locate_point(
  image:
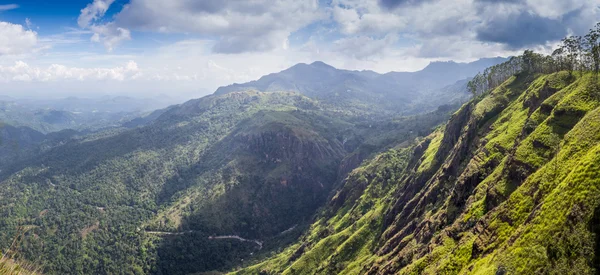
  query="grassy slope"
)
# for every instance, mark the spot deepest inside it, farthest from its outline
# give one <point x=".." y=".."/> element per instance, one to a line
<point x="511" y="185"/>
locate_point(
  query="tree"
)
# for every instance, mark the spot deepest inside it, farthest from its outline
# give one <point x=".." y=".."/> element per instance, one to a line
<point x="592" y="46"/>
<point x="559" y="60"/>
<point x="573" y="47"/>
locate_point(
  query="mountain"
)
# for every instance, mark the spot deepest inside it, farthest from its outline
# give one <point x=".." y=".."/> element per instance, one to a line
<point x="365" y="91"/>
<point x="508" y="186"/>
<point x="204" y="185"/>
<point x="440" y="74"/>
<point x="199" y="187"/>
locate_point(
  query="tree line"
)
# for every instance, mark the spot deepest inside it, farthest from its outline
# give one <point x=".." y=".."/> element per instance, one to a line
<point x="575" y="53"/>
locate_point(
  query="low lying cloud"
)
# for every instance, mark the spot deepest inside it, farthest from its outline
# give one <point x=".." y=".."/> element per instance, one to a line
<point x="21" y="71"/>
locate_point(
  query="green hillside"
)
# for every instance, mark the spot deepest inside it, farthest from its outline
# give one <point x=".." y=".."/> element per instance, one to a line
<point x="204" y="186"/>
<point x="510" y="185"/>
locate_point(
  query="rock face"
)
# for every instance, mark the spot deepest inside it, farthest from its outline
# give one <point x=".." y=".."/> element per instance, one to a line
<point x="508" y="186"/>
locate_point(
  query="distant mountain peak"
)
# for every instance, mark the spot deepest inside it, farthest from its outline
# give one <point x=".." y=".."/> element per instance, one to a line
<point x="439" y="64"/>
<point x="321" y="64"/>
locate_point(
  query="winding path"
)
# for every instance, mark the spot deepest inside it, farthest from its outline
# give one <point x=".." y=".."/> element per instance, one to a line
<point x="259" y="243"/>
<point x="236" y="237"/>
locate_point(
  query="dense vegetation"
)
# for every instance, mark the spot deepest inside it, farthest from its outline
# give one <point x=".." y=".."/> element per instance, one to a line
<point x="160" y="198"/>
<point x="508" y="186"/>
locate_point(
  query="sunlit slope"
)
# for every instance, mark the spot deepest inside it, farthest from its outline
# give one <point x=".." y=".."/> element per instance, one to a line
<point x="511" y="185"/>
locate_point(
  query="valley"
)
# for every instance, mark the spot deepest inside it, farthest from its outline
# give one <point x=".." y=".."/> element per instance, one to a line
<point x="220" y="177"/>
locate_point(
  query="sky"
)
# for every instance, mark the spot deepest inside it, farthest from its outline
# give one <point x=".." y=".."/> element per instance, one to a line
<point x="188" y="48"/>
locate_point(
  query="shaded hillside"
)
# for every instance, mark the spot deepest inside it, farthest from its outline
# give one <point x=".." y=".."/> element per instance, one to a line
<point x="146" y="200"/>
<point x="508" y="186"/>
<point x="17" y="142"/>
<point x="366" y="91"/>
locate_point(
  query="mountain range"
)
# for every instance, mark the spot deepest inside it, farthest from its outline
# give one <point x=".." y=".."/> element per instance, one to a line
<point x="365" y="91"/>
<point x="207" y="184"/>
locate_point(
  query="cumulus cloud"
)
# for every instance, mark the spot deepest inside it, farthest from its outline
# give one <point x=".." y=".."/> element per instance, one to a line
<point x="14" y="39"/>
<point x="109" y="35"/>
<point x="503" y="24"/>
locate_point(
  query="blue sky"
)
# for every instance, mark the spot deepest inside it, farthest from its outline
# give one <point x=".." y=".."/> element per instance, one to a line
<point x="188" y="48"/>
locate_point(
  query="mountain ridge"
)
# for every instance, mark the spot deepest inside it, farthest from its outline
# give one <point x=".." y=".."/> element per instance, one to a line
<point x="247" y="163"/>
<point x="390" y="93"/>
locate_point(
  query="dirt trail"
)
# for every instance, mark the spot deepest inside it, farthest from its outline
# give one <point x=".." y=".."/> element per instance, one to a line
<point x="259" y="243"/>
<point x="236" y="237"/>
<point x="169" y="233"/>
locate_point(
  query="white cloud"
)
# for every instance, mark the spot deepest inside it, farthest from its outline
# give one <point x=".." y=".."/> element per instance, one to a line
<point x="354" y="17"/>
<point x="7" y="7"/>
<point x="93" y="12"/>
<point x="464" y="28"/>
<point x="109" y="35"/>
<point x="14" y="39"/>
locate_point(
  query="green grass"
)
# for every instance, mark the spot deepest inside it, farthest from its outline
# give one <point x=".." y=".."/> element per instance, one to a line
<point x="429" y="156"/>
